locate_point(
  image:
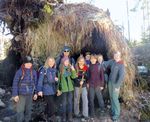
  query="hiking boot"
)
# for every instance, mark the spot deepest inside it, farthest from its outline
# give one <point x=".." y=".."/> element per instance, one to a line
<point x="115" y="121"/>
<point x="92" y="119"/>
<point x="78" y="116"/>
<point x="70" y="117"/>
<point x="102" y="113"/>
<point x="84" y="119"/>
<point x="52" y="119"/>
<point x="45" y="118"/>
<point x="64" y="117"/>
<point x="58" y="118"/>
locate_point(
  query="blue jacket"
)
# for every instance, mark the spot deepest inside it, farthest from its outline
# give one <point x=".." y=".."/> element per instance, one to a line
<point x="59" y="58"/>
<point x="46" y="82"/>
<point x="26" y="86"/>
<point x="117" y="72"/>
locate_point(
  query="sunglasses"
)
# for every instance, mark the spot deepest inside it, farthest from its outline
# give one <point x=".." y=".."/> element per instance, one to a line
<point x="66" y="51"/>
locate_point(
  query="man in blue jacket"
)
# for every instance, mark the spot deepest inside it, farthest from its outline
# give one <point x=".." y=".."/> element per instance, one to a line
<point x="116" y="77"/>
<point x="66" y="53"/>
<point x="24" y="89"/>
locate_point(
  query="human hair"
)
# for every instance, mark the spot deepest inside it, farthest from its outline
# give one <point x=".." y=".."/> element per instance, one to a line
<point x="117" y="52"/>
<point x="46" y="65"/>
<point x="94" y="56"/>
<point x="99" y="55"/>
<point x="61" y="68"/>
<point x="77" y="64"/>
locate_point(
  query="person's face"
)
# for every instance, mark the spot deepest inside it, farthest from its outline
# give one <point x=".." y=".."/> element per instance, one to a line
<point x="100" y="59"/>
<point x="28" y="65"/>
<point x="66" y="63"/>
<point x="81" y="62"/>
<point x="87" y="57"/>
<point x="117" y="57"/>
<point x="93" y="60"/>
<point x="66" y="53"/>
<point x="51" y="62"/>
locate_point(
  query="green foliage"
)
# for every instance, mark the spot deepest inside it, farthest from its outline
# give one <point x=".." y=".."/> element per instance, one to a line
<point x="146" y="37"/>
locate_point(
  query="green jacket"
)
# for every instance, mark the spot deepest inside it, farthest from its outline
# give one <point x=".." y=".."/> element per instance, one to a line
<point x="65" y="84"/>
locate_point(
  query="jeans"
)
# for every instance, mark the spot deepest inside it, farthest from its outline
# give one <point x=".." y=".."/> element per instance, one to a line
<point x="50" y="107"/>
<point x="58" y="102"/>
<point x="67" y="102"/>
<point x="23" y="108"/>
<point x="115" y="105"/>
<point x="98" y="93"/>
<point x="77" y="93"/>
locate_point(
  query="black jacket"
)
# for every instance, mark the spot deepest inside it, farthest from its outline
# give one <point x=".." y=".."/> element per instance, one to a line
<point x="82" y="75"/>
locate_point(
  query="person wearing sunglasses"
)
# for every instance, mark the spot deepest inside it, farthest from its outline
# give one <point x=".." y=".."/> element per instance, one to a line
<point x="65" y="53"/>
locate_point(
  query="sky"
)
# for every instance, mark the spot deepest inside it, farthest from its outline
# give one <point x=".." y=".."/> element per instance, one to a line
<point x="118" y="11"/>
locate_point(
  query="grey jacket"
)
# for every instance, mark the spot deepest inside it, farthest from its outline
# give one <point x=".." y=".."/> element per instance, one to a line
<point x="117" y="72"/>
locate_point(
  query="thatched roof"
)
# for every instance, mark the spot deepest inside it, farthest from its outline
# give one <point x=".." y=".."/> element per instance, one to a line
<point x="83" y="27"/>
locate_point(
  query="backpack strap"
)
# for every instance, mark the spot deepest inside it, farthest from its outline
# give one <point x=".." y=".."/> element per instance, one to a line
<point x="72" y="61"/>
<point x="99" y="67"/>
<point x="31" y="73"/>
<point x="45" y="80"/>
<point x="45" y="71"/>
<point x="23" y="72"/>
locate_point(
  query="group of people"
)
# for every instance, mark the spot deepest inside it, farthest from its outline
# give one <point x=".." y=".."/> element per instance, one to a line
<point x="69" y="81"/>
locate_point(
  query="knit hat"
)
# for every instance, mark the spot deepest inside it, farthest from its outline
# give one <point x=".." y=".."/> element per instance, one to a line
<point x="67" y="49"/>
<point x="64" y="59"/>
<point x="27" y="59"/>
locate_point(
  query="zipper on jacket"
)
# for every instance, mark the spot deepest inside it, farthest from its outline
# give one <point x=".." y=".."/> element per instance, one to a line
<point x="67" y="82"/>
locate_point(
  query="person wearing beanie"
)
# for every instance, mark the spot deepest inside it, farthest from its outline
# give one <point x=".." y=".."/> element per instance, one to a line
<point x="27" y="59"/>
<point x="24" y="89"/>
<point x="65" y="87"/>
<point x="115" y="80"/>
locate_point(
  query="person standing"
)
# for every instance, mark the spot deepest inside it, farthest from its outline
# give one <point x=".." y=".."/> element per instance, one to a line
<point x="81" y="89"/>
<point x="24" y="89"/>
<point x="105" y="91"/>
<point x="65" y="87"/>
<point x="96" y="85"/>
<point x="47" y="86"/>
<point x="116" y="77"/>
<point x="66" y="53"/>
<point x="87" y="58"/>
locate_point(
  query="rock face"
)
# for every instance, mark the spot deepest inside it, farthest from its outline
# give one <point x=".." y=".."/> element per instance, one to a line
<point x="2" y="91"/>
<point x="1" y="103"/>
